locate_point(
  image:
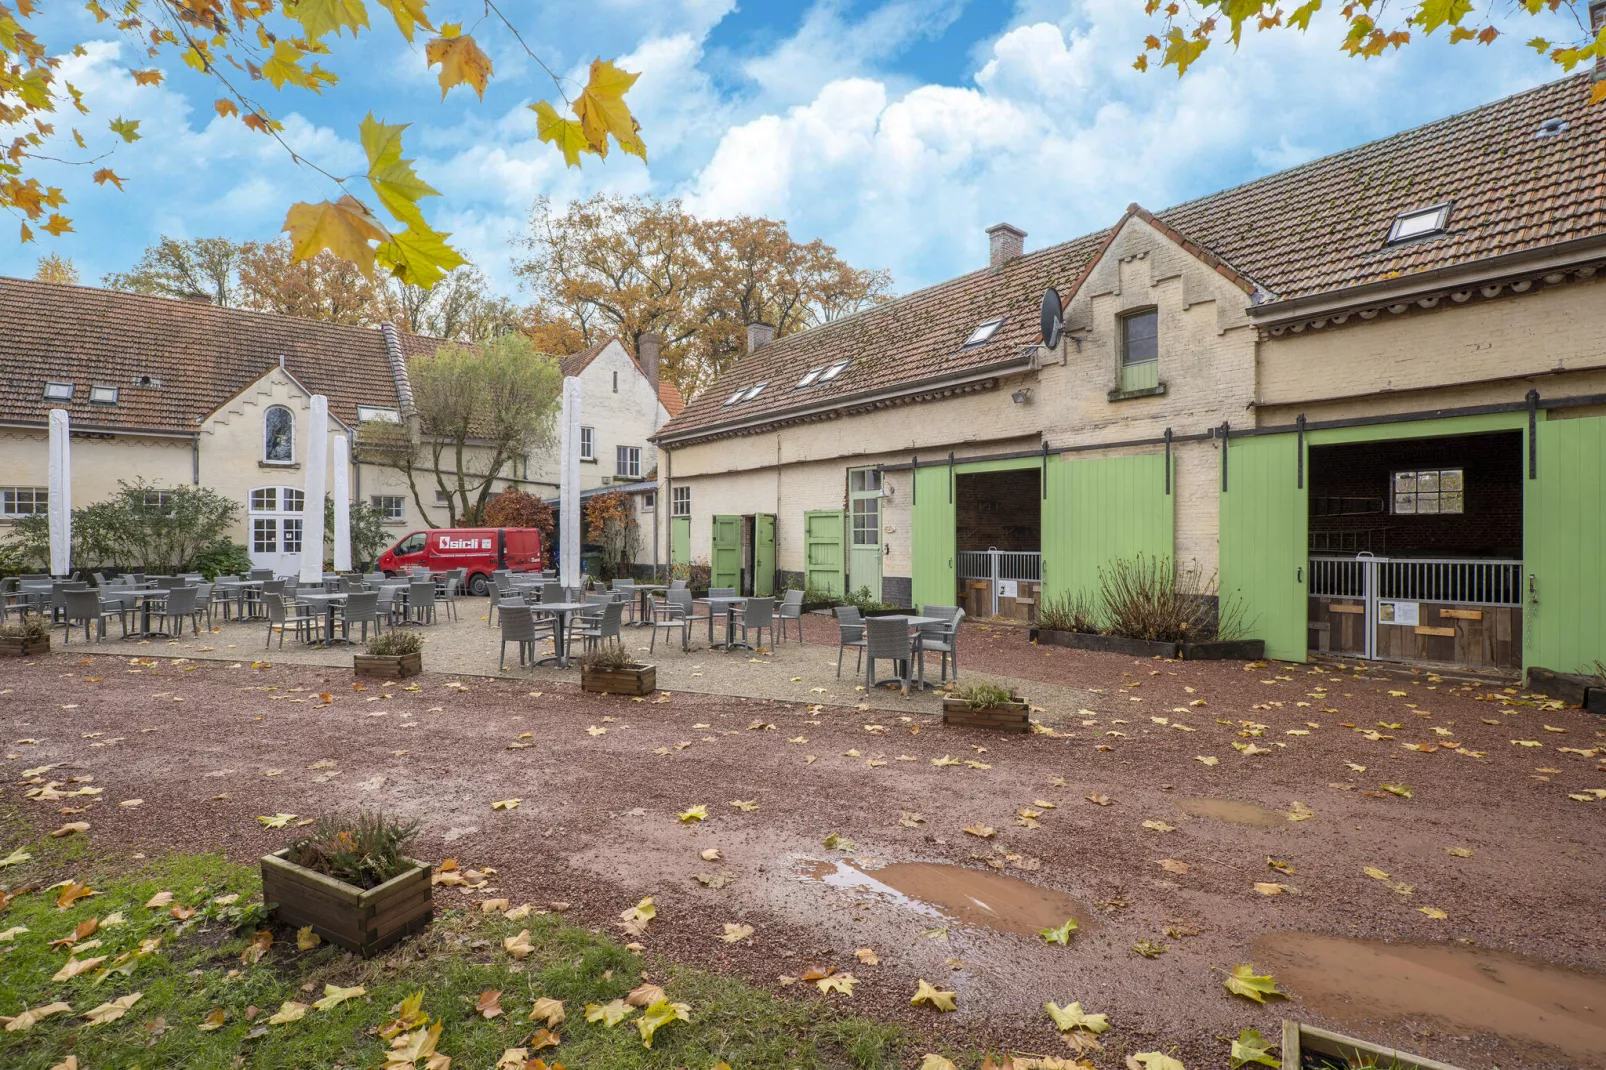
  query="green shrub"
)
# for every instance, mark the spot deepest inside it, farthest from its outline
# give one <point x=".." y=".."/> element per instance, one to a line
<point x="366" y="850"/>
<point x="815" y="595"/>
<point x="983" y="696"/>
<point x="1068" y="612"/>
<point x="862" y="600"/>
<point x="395" y="643"/>
<point x="223" y="557"/>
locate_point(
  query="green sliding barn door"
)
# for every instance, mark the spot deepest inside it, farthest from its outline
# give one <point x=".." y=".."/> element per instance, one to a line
<point x="1564" y="546"/>
<point x="1264" y="519"/>
<point x="725" y="562"/>
<point x="1100" y="509"/>
<point x="680" y="540"/>
<point x="935" y="578"/>
<point x="764" y="555"/>
<point x="823" y="558"/>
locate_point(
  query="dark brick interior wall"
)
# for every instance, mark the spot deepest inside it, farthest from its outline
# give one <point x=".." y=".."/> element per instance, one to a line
<point x="1491" y="526"/>
<point x="897" y="590"/>
<point x="999" y="509"/>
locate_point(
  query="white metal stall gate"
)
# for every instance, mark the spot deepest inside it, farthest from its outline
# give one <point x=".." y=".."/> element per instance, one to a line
<point x="1003" y="570"/>
<point x="1379" y="580"/>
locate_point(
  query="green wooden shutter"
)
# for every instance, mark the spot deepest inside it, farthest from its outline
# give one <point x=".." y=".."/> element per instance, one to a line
<point x="725" y="565"/>
<point x="935" y="580"/>
<point x="680" y="540"/>
<point x="764" y="555"/>
<point x="1564" y="547"/>
<point x="1263" y="525"/>
<point x="823" y="558"/>
<point x="1099" y="509"/>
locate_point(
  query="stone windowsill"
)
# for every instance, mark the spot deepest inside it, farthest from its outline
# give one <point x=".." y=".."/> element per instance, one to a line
<point x="1143" y="392"/>
<point x="288" y="466"/>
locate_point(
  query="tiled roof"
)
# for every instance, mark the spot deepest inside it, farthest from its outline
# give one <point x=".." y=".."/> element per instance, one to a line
<point x="199" y="355"/>
<point x="575" y="363"/>
<point x="669" y="397"/>
<point x="1314" y="228"/>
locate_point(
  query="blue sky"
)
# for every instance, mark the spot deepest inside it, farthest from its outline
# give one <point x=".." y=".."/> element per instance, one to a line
<point x="896" y="131"/>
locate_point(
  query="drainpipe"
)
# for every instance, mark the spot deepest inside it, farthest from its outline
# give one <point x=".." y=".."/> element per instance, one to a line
<point x="195" y="458"/>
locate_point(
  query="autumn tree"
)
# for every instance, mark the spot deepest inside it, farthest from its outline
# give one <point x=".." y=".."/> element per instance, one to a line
<point x="611" y="523"/>
<point x="173" y="267"/>
<point x="477" y="411"/>
<point x="514" y="508"/>
<point x="53" y="267"/>
<point x="245" y="48"/>
<point x="1369" y="28"/>
<point x="460" y="307"/>
<point x="320" y="287"/>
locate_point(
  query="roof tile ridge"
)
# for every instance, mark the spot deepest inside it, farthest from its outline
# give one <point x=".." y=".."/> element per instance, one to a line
<point x="398" y="366"/>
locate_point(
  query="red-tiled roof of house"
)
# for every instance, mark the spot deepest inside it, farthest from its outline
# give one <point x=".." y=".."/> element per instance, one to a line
<point x="575" y="363"/>
<point x="1315" y="228"/>
<point x="670" y="398"/>
<point x="174" y="362"/>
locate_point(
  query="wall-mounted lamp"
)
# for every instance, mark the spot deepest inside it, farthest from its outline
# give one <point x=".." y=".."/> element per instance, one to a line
<point x="1022" y="396"/>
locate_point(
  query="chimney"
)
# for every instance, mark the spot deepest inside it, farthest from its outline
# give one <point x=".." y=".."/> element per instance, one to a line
<point x="1597" y="23"/>
<point x="759" y="335"/>
<point x="1004" y="243"/>
<point x="647" y="348"/>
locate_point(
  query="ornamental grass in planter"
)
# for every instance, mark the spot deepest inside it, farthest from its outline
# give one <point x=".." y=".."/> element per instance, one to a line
<point x="610" y="671"/>
<point x="351" y="879"/>
<point x="1305" y="1047"/>
<point x="986" y="706"/>
<point x="27" y="637"/>
<point x="391" y="654"/>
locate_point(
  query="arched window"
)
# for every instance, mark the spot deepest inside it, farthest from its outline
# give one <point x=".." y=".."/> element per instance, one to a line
<point x="278" y="435"/>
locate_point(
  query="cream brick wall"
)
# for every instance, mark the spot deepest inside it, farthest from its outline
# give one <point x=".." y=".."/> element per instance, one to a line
<point x="626" y="417"/>
<point x="97" y="463"/>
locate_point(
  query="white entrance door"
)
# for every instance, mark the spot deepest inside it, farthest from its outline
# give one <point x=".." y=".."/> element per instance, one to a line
<point x="273" y="521"/>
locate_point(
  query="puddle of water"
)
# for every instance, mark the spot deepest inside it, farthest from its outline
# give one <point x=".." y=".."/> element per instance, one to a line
<point x="1469" y="990"/>
<point x="969" y="896"/>
<point x="1233" y="810"/>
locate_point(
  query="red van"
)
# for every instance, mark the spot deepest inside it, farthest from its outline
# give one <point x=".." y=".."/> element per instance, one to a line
<point x="479" y="550"/>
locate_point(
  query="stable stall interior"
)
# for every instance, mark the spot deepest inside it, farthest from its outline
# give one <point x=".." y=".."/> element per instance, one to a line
<point x="1416" y="550"/>
<point x="999" y="530"/>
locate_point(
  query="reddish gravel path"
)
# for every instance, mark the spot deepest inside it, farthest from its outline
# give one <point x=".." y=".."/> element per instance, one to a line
<point x="597" y="823"/>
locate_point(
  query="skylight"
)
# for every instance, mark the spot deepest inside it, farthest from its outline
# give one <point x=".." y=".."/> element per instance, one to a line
<point x="58" y="391"/>
<point x="984" y="333"/>
<point x="834" y="370"/>
<point x="754" y="391"/>
<point x="103" y="395"/>
<point x="1419" y="223"/>
<point x="809" y="377"/>
<point x="382" y="413"/>
<point x="734" y="398"/>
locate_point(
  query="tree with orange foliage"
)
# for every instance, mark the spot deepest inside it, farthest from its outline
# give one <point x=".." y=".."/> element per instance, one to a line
<point x="611" y="523"/>
<point x="513" y="508"/>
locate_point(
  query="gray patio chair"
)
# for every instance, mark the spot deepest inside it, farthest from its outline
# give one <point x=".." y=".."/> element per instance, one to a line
<point x="717" y="592"/>
<point x="593" y="631"/>
<point x="791" y="609"/>
<point x="387" y="601"/>
<point x="758" y="614"/>
<point x="446" y="592"/>
<point x="58" y="596"/>
<point x="203" y="604"/>
<point x="86" y="608"/>
<point x="421" y="601"/>
<point x="887" y="639"/>
<point x="362" y="607"/>
<point x="670" y="614"/>
<point x="293" y="615"/>
<point x="850" y="629"/>
<point x="524" y="628"/>
<point x="179" y="606"/>
<point x="260" y="574"/>
<point x="677" y="585"/>
<point x="942" y="639"/>
<point x="504" y="602"/>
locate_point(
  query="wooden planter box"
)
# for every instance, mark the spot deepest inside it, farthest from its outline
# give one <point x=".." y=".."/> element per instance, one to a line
<point x="1571" y="688"/>
<point x="1225" y="650"/>
<point x="15" y="647"/>
<point x="1595" y="699"/>
<point x="1299" y="1038"/>
<point x="365" y="922"/>
<point x="1010" y="717"/>
<point x="1108" y="644"/>
<point x="389" y="666"/>
<point x="631" y="680"/>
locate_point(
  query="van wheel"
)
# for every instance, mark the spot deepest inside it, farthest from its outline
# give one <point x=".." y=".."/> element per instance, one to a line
<point x="479" y="583"/>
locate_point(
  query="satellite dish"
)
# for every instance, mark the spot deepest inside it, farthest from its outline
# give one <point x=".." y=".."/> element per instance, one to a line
<point x="1053" y="318"/>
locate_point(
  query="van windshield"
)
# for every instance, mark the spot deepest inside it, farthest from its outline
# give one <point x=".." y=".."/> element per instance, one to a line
<point x="411" y="544"/>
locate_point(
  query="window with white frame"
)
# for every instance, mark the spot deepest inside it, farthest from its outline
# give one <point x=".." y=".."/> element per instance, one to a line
<point x="390" y="506"/>
<point x="1419" y="223"/>
<point x="649" y="501"/>
<point x="680" y="501"/>
<point x="294" y="499"/>
<point x="24" y="501"/>
<point x="627" y="462"/>
<point x="381" y="413"/>
<point x="103" y="395"/>
<point x="292" y="536"/>
<point x="265" y="536"/>
<point x="278" y="436"/>
<point x="1429" y="491"/>
<point x="442" y="497"/>
<point x="58" y="391"/>
<point x="588" y="443"/>
<point x="157" y="500"/>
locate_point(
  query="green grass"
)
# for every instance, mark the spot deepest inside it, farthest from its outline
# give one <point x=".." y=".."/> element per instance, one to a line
<point x="197" y="968"/>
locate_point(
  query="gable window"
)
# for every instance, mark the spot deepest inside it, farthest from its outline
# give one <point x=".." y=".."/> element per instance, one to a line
<point x="103" y="395"/>
<point x="588" y="443"/>
<point x="278" y="436"/>
<point x="616" y="382"/>
<point x="1419" y="223"/>
<point x="984" y="332"/>
<point x="1140" y="337"/>
<point x="58" y="391"/>
<point x="381" y="413"/>
<point x="1429" y="490"/>
<point x="24" y="501"/>
<point x="389" y="506"/>
<point x="680" y="501"/>
<point x="628" y="462"/>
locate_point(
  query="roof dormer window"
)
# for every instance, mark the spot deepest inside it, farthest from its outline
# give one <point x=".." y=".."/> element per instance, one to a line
<point x="1419" y="223"/>
<point x="983" y="333"/>
<point x="58" y="391"/>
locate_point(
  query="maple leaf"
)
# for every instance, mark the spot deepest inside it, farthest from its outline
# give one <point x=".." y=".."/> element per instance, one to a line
<point x="979" y="830"/>
<point x="489" y="1003"/>
<point x="609" y="1014"/>
<point x="836" y="982"/>
<point x="1159" y="826"/>
<point x="1073" y="1017"/>
<point x="289" y="1011"/>
<point x="1060" y="935"/>
<point x="127" y="129"/>
<point x="408" y="14"/>
<point x="29" y="1018"/>
<point x="644" y="995"/>
<point x="105" y="175"/>
<point x="70" y="828"/>
<point x="1243" y="981"/>
<point x="933" y="1061"/>
<point x="1402" y="790"/>
<point x="542" y="1039"/>
<point x="212" y="1021"/>
<point x="506" y="804"/>
<point x="1300" y="812"/>
<point x="226" y="108"/>
<point x="518" y="946"/>
<point x="694" y="813"/>
<point x="461" y="61"/>
<point x="344" y="227"/>
<point x="74" y="967"/>
<point x="735" y="933"/>
<point x="334" y="996"/>
<point x="110" y="1012"/>
<point x="866" y="956"/>
<point x="547" y="1010"/>
<point x="277" y="821"/>
<point x="1206" y="759"/>
<point x="321" y="17"/>
<point x="72" y="893"/>
<point x="1100" y="800"/>
<point x="306" y="939"/>
<point x="835" y="842"/>
<point x="602" y="110"/>
<point x="567" y="134"/>
<point x="1152" y="1060"/>
<point x="261" y="941"/>
<point x="934" y="997"/>
<point x="637" y="917"/>
<point x="745" y="806"/>
<point x="16" y="858"/>
<point x="659" y="1015"/>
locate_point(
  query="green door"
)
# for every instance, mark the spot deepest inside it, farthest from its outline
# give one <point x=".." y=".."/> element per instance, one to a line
<point x="764" y="555"/>
<point x="822" y="551"/>
<point x="1564" y="547"/>
<point x="1099" y="509"/>
<point x="1264" y="519"/>
<point x="725" y="562"/>
<point x="864" y="514"/>
<point x="935" y="580"/>
<point x="680" y="540"/>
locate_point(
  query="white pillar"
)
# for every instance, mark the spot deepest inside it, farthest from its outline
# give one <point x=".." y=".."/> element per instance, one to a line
<point x="317" y="462"/>
<point x="342" y="504"/>
<point x="60" y="505"/>
<point x="569" y="483"/>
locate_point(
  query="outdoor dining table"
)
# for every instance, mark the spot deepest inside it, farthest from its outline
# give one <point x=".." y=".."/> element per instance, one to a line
<point x="726" y="605"/>
<point x="241" y="589"/>
<point x="560" y="612"/>
<point x="146" y="596"/>
<point x="915" y="623"/>
<point x="329" y="600"/>
<point x="643" y="591"/>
